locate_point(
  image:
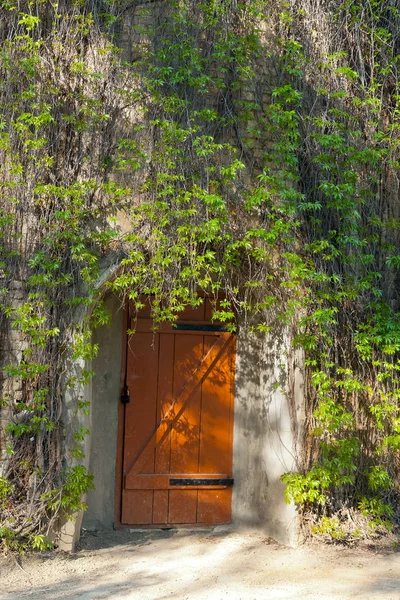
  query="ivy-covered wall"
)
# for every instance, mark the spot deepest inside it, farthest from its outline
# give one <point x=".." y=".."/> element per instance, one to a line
<point x="248" y="149"/>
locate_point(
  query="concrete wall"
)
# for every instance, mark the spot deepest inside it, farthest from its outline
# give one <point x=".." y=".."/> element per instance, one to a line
<point x="104" y="419"/>
<point x="268" y="407"/>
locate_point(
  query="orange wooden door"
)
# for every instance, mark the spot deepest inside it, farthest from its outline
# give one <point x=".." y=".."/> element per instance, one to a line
<point x="177" y="450"/>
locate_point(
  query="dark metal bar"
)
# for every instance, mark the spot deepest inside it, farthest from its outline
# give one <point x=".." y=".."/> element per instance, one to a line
<point x="199" y="327"/>
<point x="199" y="482"/>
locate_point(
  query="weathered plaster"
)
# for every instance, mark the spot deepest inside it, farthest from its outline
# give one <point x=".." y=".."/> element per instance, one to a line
<point x="265" y="431"/>
<point x="104" y="419"/>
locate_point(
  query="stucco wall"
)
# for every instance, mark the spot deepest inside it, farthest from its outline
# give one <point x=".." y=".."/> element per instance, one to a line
<point x="268" y="406"/>
<point x="104" y="419"/>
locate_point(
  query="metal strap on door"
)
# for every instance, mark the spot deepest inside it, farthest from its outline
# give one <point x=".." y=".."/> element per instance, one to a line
<point x="200" y="482"/>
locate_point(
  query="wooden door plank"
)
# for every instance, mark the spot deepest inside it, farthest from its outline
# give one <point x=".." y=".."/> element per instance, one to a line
<point x="142" y="383"/>
<point x="215" y="416"/>
<point x="182" y="506"/>
<point x="164" y="400"/>
<point x="214" y="506"/>
<point x="140" y="421"/>
<point x="137" y="507"/>
<point x="189" y="355"/>
<point x="160" y="507"/>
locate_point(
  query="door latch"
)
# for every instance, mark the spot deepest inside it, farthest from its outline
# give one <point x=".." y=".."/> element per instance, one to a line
<point x="125" y="397"/>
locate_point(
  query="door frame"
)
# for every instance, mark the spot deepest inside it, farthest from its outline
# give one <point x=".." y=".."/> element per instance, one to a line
<point x="121" y="423"/>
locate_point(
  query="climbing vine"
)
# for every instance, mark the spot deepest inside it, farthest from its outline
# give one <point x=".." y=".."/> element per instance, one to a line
<point x="245" y="148"/>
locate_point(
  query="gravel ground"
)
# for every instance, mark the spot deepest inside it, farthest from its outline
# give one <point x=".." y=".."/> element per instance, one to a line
<point x="201" y="565"/>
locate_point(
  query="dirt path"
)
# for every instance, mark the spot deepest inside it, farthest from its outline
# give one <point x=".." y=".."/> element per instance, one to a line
<point x="204" y="565"/>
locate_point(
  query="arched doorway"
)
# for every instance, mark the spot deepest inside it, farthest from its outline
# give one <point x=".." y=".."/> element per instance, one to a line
<point x="174" y="463"/>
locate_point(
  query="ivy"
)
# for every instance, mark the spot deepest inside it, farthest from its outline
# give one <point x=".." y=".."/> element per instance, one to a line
<point x="260" y="168"/>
